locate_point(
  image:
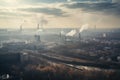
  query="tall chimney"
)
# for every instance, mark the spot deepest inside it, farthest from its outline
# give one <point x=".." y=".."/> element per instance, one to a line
<point x="79" y="36"/>
<point x="38" y="26"/>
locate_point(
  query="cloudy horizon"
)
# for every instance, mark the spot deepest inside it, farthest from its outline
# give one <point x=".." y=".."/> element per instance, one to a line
<point x="60" y="13"/>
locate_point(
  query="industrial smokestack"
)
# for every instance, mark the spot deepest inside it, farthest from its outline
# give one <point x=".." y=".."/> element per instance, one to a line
<point x="69" y="36"/>
<point x="21" y="26"/>
<point x="38" y="26"/>
<point x="37" y="34"/>
<point x="41" y="23"/>
<point x="84" y="27"/>
<point x="80" y="36"/>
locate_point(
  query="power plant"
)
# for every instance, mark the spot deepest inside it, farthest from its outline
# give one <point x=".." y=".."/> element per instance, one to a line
<point x="76" y="49"/>
<point x="59" y="39"/>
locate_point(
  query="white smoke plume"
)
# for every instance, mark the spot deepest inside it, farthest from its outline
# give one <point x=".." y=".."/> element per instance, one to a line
<point x="71" y="33"/>
<point x="41" y="21"/>
<point x="84" y="27"/>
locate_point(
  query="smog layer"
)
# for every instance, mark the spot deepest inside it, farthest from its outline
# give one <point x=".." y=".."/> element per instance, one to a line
<point x="60" y="54"/>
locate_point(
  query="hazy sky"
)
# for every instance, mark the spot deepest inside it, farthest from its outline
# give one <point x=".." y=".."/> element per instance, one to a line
<point x="59" y="13"/>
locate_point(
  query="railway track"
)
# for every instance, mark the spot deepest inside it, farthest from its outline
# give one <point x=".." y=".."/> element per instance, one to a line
<point x="74" y="64"/>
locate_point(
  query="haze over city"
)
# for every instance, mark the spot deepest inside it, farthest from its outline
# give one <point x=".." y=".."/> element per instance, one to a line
<point x="59" y="39"/>
<point x="59" y="13"/>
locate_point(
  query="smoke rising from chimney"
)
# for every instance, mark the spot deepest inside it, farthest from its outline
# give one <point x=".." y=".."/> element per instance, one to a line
<point x="21" y="25"/>
<point x="41" y="21"/>
<point x="71" y="33"/>
<point x="84" y="27"/>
